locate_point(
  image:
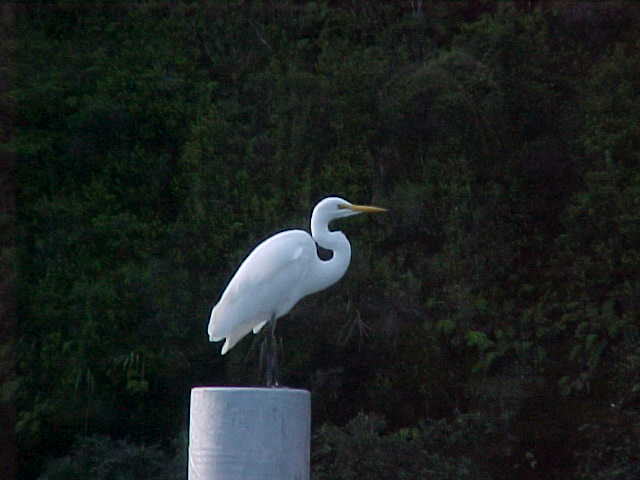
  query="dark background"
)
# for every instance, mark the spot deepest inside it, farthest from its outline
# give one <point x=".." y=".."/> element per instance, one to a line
<point x="487" y="326"/>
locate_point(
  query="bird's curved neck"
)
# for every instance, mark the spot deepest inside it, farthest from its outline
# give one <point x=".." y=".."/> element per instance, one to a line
<point x="327" y="272"/>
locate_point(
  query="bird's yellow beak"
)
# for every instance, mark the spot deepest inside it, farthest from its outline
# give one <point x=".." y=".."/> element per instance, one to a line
<point x="365" y="208"/>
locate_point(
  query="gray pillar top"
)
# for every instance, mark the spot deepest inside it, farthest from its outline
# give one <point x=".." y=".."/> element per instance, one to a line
<point x="249" y="433"/>
<point x="259" y="390"/>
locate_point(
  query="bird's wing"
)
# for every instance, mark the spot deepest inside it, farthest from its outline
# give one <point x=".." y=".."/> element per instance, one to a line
<point x="266" y="262"/>
<point x="262" y="284"/>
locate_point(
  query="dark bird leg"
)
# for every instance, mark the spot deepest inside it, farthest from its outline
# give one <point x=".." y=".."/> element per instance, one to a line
<point x="269" y="355"/>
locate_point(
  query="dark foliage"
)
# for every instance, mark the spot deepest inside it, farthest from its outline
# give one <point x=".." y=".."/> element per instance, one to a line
<point x="101" y="458"/>
<point x="435" y="451"/>
<point x="495" y="308"/>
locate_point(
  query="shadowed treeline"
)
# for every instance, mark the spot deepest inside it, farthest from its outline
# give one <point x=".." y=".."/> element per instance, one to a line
<point x="487" y="326"/>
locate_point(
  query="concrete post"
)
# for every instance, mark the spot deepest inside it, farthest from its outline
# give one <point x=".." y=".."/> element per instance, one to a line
<point x="249" y="433"/>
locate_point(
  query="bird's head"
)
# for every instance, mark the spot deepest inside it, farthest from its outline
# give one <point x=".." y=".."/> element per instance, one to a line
<point x="332" y="208"/>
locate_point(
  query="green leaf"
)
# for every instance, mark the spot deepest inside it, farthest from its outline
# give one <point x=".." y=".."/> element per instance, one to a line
<point x="446" y="326"/>
<point x="479" y="339"/>
<point x="590" y="340"/>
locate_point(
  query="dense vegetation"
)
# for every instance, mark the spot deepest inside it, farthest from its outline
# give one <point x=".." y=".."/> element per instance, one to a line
<point x="488" y="326"/>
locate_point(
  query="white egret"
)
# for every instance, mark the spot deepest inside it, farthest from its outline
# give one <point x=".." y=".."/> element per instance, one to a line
<point x="279" y="272"/>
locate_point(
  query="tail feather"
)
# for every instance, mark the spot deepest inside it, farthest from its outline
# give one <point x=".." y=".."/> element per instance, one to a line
<point x="258" y="327"/>
<point x="228" y="345"/>
<point x="233" y="333"/>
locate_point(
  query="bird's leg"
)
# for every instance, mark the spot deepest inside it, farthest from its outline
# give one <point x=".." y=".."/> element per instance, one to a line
<point x="262" y="359"/>
<point x="271" y="370"/>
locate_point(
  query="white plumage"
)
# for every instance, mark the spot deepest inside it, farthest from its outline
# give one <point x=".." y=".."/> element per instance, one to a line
<point x="282" y="270"/>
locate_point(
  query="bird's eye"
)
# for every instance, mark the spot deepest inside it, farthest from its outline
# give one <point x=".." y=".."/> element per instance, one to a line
<point x="342" y="206"/>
